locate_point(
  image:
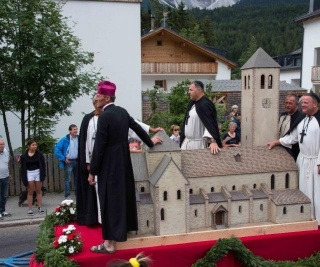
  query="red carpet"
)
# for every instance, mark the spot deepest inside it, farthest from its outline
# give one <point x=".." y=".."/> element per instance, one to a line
<point x="288" y="246"/>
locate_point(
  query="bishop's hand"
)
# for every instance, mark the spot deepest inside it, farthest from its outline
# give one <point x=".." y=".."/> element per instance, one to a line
<point x="91" y="179"/>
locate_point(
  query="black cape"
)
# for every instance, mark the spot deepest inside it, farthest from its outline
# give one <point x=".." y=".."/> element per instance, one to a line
<point x="295" y="150"/>
<point x="87" y="210"/>
<point x="207" y="113"/>
<point x="111" y="161"/>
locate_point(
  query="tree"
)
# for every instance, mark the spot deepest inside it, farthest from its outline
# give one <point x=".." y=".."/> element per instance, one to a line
<point x="41" y="65"/>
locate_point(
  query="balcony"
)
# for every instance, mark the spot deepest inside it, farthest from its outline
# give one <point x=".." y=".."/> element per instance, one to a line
<point x="315" y="74"/>
<point x="179" y="68"/>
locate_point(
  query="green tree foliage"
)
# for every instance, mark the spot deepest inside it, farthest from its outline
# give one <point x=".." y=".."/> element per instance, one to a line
<point x="41" y="65"/>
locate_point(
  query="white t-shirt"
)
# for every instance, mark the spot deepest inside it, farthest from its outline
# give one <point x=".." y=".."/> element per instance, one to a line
<point x="4" y="164"/>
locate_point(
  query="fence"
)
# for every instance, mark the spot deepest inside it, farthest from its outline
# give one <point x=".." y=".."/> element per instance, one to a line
<point x="54" y="181"/>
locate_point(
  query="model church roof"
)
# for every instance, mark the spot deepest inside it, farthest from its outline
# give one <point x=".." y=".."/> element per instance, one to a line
<point x="260" y="59"/>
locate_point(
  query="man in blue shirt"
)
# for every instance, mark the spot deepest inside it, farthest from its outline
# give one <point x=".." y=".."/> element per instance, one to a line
<point x="66" y="150"/>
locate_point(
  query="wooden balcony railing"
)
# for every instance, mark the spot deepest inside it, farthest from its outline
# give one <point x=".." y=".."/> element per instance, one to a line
<point x="179" y="68"/>
<point x="315" y="75"/>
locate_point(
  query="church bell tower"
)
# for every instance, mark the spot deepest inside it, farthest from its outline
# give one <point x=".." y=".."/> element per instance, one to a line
<point x="260" y="86"/>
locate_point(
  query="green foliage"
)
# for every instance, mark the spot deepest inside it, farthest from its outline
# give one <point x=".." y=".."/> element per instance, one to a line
<point x="42" y="62"/>
<point x="246" y="257"/>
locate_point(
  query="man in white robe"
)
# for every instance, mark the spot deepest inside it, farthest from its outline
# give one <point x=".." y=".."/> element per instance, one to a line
<point x="307" y="134"/>
<point x="200" y="125"/>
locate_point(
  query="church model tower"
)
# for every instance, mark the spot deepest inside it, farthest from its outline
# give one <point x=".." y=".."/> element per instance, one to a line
<point x="184" y="191"/>
<point x="260" y="77"/>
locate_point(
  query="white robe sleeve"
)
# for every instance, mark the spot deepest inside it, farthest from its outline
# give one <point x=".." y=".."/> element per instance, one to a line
<point x="206" y="134"/>
<point x="133" y="135"/>
<point x="290" y="139"/>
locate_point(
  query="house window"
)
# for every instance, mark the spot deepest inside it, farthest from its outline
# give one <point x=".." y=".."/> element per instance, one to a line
<point x="270" y="81"/>
<point x="142" y="189"/>
<point x="301" y="209"/>
<point x="262" y="82"/>
<point x="165" y="195"/>
<point x="178" y="194"/>
<point x="191" y="191"/>
<point x="287" y="180"/>
<point x="261" y="207"/>
<point x="161" y="84"/>
<point x="284" y="210"/>
<point x="159" y="43"/>
<point x="212" y="189"/>
<point x="162" y="214"/>
<point x="240" y="209"/>
<point x="233" y="187"/>
<point x="195" y="213"/>
<point x="272" y="181"/>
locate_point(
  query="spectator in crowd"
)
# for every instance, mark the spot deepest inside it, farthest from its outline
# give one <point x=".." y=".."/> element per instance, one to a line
<point x="66" y="150"/>
<point x="234" y="111"/>
<point x="231" y="138"/>
<point x="175" y="133"/>
<point x="33" y="173"/>
<point x="4" y="179"/>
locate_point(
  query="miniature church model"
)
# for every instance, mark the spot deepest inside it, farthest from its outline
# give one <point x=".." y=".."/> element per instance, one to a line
<point x="184" y="191"/>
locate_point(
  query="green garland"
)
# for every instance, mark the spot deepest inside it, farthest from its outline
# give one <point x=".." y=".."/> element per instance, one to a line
<point x="45" y="252"/>
<point x="247" y="258"/>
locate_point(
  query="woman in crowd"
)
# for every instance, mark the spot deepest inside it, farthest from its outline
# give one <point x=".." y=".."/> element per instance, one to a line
<point x="231" y="138"/>
<point x="234" y="111"/>
<point x="33" y="173"/>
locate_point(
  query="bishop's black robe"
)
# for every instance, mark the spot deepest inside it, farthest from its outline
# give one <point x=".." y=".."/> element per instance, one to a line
<point x="207" y="113"/>
<point x="87" y="210"/>
<point x="111" y="161"/>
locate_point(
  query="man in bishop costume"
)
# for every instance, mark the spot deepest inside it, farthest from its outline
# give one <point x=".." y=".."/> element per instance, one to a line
<point x="306" y="132"/>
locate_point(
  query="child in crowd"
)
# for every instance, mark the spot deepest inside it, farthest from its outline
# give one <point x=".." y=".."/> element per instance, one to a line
<point x="139" y="261"/>
<point x="175" y="130"/>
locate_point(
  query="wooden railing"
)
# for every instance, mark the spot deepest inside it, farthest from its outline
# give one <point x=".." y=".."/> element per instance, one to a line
<point x="54" y="181"/>
<point x="179" y="68"/>
<point x="315" y="75"/>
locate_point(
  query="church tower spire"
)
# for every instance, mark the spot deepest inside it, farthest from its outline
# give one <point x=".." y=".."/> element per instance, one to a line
<point x="260" y="85"/>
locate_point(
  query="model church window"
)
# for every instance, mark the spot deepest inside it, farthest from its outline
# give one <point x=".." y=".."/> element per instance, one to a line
<point x="261" y="207"/>
<point x="248" y="81"/>
<point x="301" y="209"/>
<point x="191" y="191"/>
<point x="270" y="81"/>
<point x="287" y="181"/>
<point x="147" y="223"/>
<point x="142" y="189"/>
<point x="245" y="82"/>
<point x="165" y="195"/>
<point x="240" y="209"/>
<point x="195" y="213"/>
<point x="254" y="186"/>
<point x="284" y="210"/>
<point x="233" y="187"/>
<point x="178" y="194"/>
<point x="162" y="214"/>
<point x="212" y="189"/>
<point x="272" y="181"/>
<point x="262" y="82"/>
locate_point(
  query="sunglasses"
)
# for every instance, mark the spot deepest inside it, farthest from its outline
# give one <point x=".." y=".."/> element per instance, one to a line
<point x="176" y="129"/>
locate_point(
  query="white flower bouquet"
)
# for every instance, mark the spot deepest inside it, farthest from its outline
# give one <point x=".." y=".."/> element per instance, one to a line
<point x="66" y="212"/>
<point x="69" y="242"/>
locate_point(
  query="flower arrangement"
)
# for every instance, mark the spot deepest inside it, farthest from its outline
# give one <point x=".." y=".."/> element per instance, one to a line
<point x="69" y="242"/>
<point x="66" y="212"/>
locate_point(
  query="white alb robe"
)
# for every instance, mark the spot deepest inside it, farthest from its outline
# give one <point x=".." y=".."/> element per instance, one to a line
<point x="91" y="134"/>
<point x="195" y="132"/>
<point x="308" y="161"/>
